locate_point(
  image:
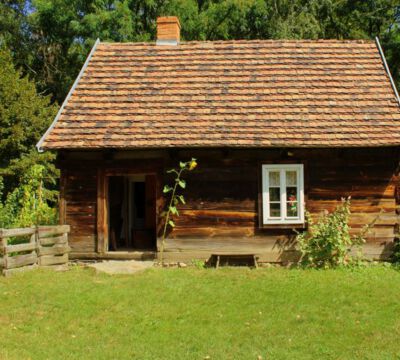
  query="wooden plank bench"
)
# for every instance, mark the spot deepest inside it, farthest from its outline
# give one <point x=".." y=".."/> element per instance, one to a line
<point x="219" y="256"/>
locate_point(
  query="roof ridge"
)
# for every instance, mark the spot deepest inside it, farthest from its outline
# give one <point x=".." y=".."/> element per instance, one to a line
<point x="254" y="41"/>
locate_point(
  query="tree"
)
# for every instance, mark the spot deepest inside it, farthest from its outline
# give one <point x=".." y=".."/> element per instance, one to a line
<point x="14" y="32"/>
<point x="24" y="117"/>
<point x="50" y="39"/>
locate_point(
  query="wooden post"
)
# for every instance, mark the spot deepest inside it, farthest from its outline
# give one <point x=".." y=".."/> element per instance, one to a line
<point x="3" y="244"/>
<point x="35" y="239"/>
<point x="62" y="203"/>
<point x="151" y="198"/>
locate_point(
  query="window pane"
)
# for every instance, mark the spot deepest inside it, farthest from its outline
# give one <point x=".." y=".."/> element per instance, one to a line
<point x="291" y="178"/>
<point x="291" y="193"/>
<point x="274" y="178"/>
<point x="292" y="209"/>
<point x="275" y="210"/>
<point x="274" y="194"/>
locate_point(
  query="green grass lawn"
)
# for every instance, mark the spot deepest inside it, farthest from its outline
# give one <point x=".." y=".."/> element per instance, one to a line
<point x="229" y="313"/>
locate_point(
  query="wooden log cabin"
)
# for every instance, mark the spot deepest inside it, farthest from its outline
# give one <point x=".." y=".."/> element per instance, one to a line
<point x="278" y="128"/>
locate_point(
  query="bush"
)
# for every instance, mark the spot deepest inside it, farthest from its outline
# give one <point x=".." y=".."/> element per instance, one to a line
<point x="327" y="242"/>
<point x="30" y="203"/>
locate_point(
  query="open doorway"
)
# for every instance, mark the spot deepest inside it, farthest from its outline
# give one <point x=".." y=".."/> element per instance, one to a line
<point x="131" y="213"/>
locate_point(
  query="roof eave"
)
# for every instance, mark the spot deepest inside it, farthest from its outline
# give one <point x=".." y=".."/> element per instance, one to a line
<point x="230" y="146"/>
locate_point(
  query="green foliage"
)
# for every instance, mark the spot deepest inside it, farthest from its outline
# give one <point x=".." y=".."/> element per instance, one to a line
<point x="396" y="252"/>
<point x="24" y="116"/>
<point x="29" y="204"/>
<point x="327" y="242"/>
<point x="175" y="199"/>
<point x="9" y="208"/>
<point x="53" y="38"/>
<point x="199" y="264"/>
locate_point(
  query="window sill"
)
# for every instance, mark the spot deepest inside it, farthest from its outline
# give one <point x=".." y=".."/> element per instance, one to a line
<point x="300" y="226"/>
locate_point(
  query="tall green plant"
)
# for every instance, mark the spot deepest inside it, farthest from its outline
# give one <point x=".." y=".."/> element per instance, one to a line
<point x="175" y="198"/>
<point x="327" y="242"/>
<point x="36" y="199"/>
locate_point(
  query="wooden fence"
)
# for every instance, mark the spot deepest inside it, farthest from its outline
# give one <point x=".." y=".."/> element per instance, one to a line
<point x="35" y="246"/>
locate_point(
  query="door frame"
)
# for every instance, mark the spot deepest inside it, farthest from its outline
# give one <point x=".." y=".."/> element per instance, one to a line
<point x="103" y="175"/>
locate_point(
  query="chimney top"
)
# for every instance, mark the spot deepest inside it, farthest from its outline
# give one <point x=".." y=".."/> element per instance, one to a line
<point x="168" y="30"/>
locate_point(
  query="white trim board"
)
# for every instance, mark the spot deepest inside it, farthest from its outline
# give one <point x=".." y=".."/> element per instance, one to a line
<point x="386" y="66"/>
<point x="40" y="142"/>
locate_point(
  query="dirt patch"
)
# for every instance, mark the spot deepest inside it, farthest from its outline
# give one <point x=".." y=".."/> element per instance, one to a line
<point x="114" y="267"/>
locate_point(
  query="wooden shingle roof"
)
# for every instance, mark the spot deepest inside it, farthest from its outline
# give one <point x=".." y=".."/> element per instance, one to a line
<point x="264" y="93"/>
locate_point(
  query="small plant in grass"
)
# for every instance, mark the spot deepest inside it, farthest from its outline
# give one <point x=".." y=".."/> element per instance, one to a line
<point x="327" y="242"/>
<point x="396" y="252"/>
<point x="199" y="264"/>
<point x="175" y="199"/>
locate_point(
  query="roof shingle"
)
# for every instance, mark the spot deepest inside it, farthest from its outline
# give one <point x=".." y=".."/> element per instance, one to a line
<point x="231" y="93"/>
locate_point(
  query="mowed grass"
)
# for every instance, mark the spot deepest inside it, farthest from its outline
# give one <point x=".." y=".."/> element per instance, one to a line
<point x="229" y="313"/>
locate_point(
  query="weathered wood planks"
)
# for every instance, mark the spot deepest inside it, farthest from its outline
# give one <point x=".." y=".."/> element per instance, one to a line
<point x="79" y="197"/>
<point x="7" y="233"/>
<point x="222" y="195"/>
<point x="47" y="245"/>
<point x="46" y="260"/>
<point x="20" y="247"/>
<point x="21" y="260"/>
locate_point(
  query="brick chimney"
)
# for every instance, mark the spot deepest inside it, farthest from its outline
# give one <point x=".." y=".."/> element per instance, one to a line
<point x="168" y="30"/>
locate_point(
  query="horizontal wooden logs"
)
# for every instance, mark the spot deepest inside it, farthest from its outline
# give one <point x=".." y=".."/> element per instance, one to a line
<point x="211" y="231"/>
<point x="222" y="193"/>
<point x="21" y="260"/>
<point x="82" y="243"/>
<point x="16" y="232"/>
<point x="382" y="219"/>
<point x="365" y="206"/>
<point x="20" y="247"/>
<point x="355" y="191"/>
<point x="61" y="239"/>
<point x="53" y="260"/>
<point x="80" y="192"/>
<point x="114" y="255"/>
<point x="54" y="250"/>
<point x="256" y="244"/>
<point x="47" y="231"/>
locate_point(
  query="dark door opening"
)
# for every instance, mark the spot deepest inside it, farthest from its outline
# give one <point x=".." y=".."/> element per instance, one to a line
<point x="131" y="213"/>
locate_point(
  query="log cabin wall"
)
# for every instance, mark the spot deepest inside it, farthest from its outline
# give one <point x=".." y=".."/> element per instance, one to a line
<point x="223" y="207"/>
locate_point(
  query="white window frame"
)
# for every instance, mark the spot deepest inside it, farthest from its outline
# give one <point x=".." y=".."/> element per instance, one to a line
<point x="283" y="219"/>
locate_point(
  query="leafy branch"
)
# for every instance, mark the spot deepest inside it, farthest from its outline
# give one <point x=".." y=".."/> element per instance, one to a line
<point x="175" y="199"/>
